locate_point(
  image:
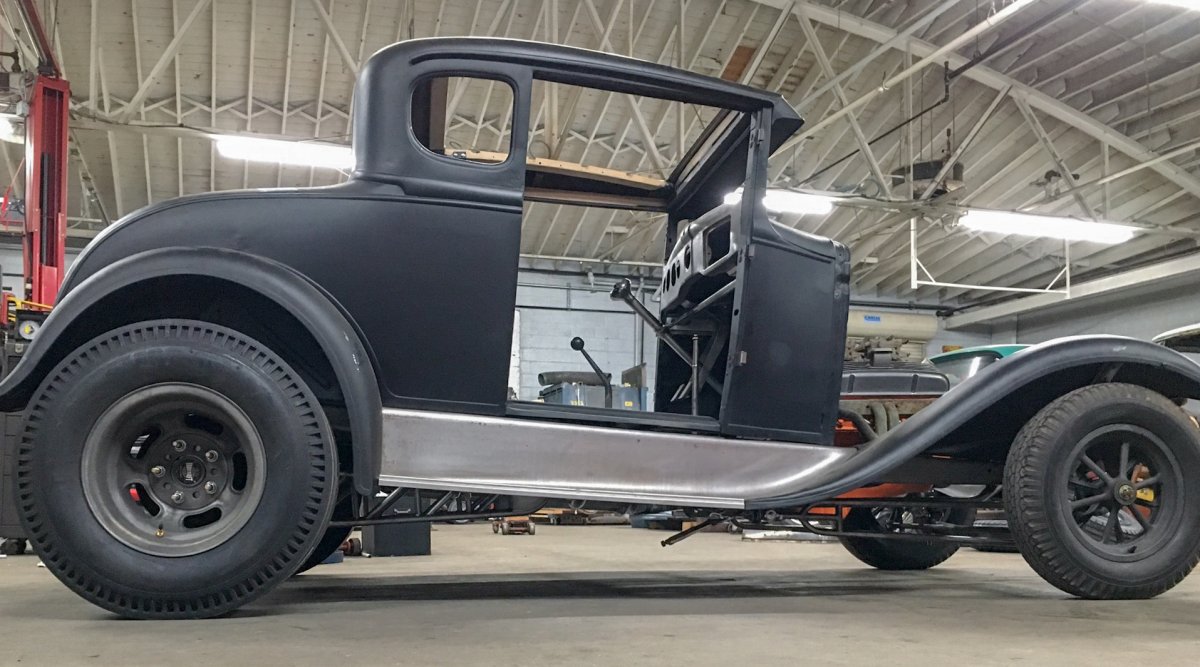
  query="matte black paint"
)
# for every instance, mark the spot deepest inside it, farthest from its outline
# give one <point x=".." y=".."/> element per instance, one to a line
<point x="989" y="408"/>
<point x="430" y="283"/>
<point x="311" y="306"/>
<point x="414" y="263"/>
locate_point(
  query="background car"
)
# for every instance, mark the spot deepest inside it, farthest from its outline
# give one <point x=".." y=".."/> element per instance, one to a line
<point x="962" y="364"/>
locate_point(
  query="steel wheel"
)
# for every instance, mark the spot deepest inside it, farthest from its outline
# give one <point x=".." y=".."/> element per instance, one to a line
<point x="173" y="469"/>
<point x="1123" y="492"/>
<point x="1101" y="493"/>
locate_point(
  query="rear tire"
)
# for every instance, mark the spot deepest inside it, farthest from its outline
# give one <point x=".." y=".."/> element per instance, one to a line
<point x="1103" y="489"/>
<point x="895" y="554"/>
<point x="142" y="470"/>
<point x="330" y="542"/>
<point x="333" y="539"/>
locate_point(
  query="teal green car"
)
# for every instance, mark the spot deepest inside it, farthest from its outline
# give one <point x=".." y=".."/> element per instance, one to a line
<point x="962" y="364"/>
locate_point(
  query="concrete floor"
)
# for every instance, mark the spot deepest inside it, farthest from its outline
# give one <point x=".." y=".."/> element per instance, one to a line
<point x="609" y="595"/>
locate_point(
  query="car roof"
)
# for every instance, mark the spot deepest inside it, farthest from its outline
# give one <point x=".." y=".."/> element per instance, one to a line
<point x="999" y="350"/>
<point x="1183" y="339"/>
<point x="699" y="180"/>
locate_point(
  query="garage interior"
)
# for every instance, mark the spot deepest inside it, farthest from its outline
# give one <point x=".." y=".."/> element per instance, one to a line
<point x="1003" y="174"/>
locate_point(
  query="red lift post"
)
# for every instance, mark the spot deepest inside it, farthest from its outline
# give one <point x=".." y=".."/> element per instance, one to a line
<point x="45" y="189"/>
<point x="44" y="244"/>
<point x="48" y="97"/>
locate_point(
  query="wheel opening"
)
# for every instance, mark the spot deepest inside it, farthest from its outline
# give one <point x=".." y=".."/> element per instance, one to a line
<point x="241" y="472"/>
<point x="143" y="441"/>
<point x="202" y="423"/>
<point x="202" y="519"/>
<point x="139" y="495"/>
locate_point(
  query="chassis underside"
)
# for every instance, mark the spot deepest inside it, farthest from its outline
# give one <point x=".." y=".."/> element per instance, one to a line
<point x="918" y="517"/>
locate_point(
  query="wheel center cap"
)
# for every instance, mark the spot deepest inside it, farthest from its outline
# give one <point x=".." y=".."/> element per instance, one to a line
<point x="1126" y="494"/>
<point x="188" y="471"/>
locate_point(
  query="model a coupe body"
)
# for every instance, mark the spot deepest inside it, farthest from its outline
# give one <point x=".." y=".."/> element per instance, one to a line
<point x="229" y="380"/>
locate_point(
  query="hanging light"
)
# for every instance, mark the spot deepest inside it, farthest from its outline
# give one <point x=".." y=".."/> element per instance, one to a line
<point x="299" y="153"/>
<point x="1186" y="4"/>
<point x="778" y="200"/>
<point x="1045" y="226"/>
<point x="10" y="131"/>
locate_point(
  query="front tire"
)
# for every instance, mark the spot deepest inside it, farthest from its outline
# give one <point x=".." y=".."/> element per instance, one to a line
<point x="1103" y="492"/>
<point x="174" y="469"/>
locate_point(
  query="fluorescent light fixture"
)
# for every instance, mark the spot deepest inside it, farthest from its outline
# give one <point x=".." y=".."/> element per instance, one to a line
<point x="1186" y="4"/>
<point x="10" y="131"/>
<point x="1045" y="226"/>
<point x="789" y="201"/>
<point x="303" y="154"/>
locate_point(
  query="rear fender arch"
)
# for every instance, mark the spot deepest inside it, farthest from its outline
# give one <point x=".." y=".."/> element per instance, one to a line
<point x="980" y="417"/>
<point x="333" y="330"/>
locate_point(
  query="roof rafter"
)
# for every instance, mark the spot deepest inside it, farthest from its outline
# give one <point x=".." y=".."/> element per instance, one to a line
<point x="992" y="78"/>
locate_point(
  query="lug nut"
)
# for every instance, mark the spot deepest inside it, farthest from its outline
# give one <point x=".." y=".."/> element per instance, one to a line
<point x="210" y="488"/>
<point x="179" y="445"/>
<point x="211" y="456"/>
<point x="177" y="497"/>
<point x="158" y="471"/>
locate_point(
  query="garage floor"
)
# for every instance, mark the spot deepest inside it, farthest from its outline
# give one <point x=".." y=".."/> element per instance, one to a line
<point x="609" y="595"/>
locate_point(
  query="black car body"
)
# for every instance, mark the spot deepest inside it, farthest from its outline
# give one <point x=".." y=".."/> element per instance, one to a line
<point x="392" y="298"/>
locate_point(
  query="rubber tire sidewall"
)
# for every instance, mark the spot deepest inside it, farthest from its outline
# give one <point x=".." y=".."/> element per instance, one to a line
<point x="291" y="516"/>
<point x="333" y="538"/>
<point x="894" y="554"/>
<point x="1035" y="464"/>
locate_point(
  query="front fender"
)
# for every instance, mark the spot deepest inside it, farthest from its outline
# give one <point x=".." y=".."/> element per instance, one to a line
<point x="980" y="417"/>
<point x="308" y="303"/>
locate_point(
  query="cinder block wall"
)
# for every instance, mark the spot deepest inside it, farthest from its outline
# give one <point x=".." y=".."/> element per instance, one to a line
<point x="556" y="308"/>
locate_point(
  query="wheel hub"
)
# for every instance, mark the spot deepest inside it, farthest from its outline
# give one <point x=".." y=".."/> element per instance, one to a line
<point x="189" y="471"/>
<point x="1125" y="493"/>
<point x="173" y="469"/>
<point x="1122" y="492"/>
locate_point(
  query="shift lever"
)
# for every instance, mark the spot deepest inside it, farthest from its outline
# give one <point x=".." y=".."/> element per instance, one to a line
<point x="577" y="345"/>
<point x="623" y="291"/>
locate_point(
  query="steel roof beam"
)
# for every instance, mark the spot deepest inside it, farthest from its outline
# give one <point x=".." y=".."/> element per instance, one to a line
<point x="993" y="79"/>
<point x="1064" y="169"/>
<point x="331" y="30"/>
<point x="168" y="55"/>
<point x="840" y="94"/>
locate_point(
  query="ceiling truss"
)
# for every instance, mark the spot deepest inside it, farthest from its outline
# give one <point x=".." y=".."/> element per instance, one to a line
<point x="1111" y="98"/>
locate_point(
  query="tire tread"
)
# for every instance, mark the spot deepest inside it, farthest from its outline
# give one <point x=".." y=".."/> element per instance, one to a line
<point x="1029" y="523"/>
<point x="318" y="448"/>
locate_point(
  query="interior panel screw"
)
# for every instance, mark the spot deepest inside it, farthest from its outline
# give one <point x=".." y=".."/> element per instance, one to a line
<point x="177" y="497"/>
<point x="211" y="456"/>
<point x="179" y="445"/>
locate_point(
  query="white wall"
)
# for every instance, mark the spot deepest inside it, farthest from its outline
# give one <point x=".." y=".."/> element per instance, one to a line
<point x="13" y="279"/>
<point x="555" y="308"/>
<point x="13" y="269"/>
<point x="1142" y="316"/>
<point x="960" y="338"/>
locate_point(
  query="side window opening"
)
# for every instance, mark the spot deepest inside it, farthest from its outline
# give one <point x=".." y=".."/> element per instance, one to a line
<point x="464" y="118"/>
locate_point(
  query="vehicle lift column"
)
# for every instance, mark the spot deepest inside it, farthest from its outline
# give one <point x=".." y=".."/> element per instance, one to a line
<point x="43" y="245"/>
